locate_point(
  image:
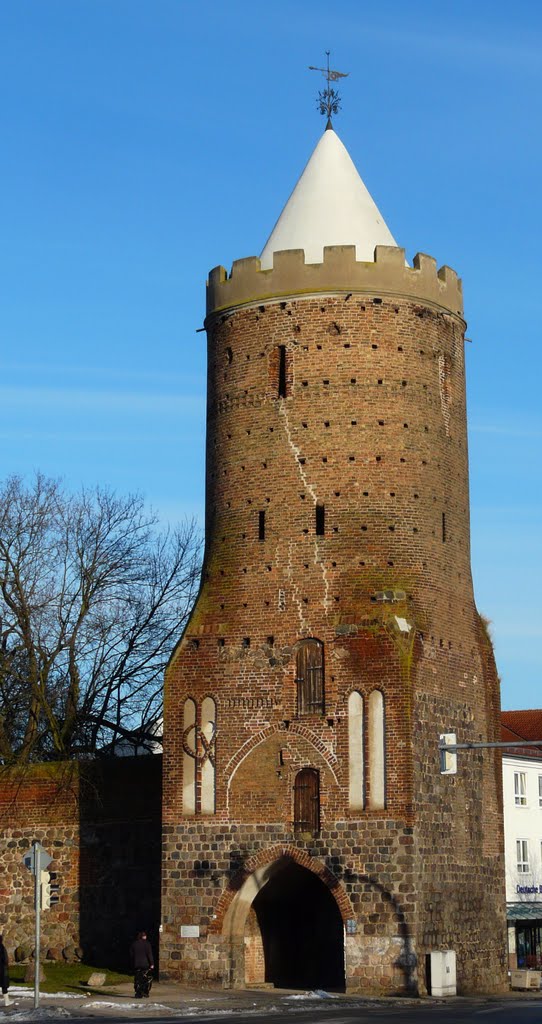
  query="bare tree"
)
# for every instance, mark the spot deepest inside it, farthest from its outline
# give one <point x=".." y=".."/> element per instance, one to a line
<point x="92" y="600"/>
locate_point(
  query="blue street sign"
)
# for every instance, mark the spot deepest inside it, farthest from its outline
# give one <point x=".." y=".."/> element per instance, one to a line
<point x="36" y="859"/>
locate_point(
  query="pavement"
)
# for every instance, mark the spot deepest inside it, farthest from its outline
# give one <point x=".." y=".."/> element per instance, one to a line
<point x="169" y="998"/>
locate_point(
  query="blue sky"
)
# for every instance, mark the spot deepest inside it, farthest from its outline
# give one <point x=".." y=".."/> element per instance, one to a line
<point x="146" y="141"/>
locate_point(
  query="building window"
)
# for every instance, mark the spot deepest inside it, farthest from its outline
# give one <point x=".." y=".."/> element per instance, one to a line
<point x="356" y="781"/>
<point x="377" y="751"/>
<point x="520" y="789"/>
<point x="282" y="372"/>
<point x="522" y="853"/>
<point x="310" y="677"/>
<point x="307" y="801"/>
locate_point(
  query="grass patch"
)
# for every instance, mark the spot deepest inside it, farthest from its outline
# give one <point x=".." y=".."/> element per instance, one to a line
<point x="62" y="977"/>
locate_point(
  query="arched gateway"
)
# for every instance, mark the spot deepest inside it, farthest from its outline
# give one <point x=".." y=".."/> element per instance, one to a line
<point x="284" y="927"/>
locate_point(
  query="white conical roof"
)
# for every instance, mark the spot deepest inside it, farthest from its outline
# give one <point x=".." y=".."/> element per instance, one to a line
<point x="329" y="206"/>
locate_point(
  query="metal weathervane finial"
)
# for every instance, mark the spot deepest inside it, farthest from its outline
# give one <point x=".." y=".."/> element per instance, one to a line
<point x="329" y="101"/>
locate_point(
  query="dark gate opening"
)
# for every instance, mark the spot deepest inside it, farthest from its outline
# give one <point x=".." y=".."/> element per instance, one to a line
<point x="302" y="931"/>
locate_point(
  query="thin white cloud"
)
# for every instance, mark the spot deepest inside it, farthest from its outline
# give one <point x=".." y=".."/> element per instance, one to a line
<point x="105" y="437"/>
<point x="520" y="631"/>
<point x="82" y="400"/>
<point x="522" y="53"/>
<point x="113" y="373"/>
<point x="506" y="430"/>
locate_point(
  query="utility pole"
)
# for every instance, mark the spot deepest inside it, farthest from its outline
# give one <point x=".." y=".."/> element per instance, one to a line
<point x="37" y="910"/>
<point x="37" y="860"/>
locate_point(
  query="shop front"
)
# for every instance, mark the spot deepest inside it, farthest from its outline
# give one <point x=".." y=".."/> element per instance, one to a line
<point x="524" y="935"/>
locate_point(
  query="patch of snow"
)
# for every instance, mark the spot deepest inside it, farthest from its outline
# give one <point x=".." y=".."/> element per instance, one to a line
<point x="212" y="1013"/>
<point x="102" y="1004"/>
<point x="43" y="1013"/>
<point x="18" y="992"/>
<point x="316" y="993"/>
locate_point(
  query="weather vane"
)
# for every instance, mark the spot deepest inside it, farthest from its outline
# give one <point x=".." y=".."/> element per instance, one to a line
<point x="328" y="101"/>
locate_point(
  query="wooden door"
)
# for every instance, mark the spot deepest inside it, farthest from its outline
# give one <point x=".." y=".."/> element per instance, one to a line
<point x="307" y="801"/>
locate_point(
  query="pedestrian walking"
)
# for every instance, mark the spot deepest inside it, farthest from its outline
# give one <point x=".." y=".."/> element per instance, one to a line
<point x="4" y="972"/>
<point x="142" y="962"/>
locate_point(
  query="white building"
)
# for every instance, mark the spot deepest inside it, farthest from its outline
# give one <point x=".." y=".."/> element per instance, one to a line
<point x="522" y="785"/>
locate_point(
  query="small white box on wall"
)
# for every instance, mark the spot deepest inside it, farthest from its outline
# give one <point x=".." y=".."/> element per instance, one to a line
<point x="443" y="972"/>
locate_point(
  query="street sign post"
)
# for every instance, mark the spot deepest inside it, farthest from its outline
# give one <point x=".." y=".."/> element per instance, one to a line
<point x="37" y="860"/>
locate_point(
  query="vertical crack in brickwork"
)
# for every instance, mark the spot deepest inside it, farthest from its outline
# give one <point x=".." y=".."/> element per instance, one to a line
<point x="303" y="625"/>
<point x="321" y="563"/>
<point x="297" y="452"/>
<point x="309" y="487"/>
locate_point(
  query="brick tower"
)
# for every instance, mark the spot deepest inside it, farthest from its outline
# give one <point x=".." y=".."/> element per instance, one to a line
<point x="309" y="839"/>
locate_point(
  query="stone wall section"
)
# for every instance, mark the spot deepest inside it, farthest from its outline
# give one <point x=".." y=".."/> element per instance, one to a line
<point x="101" y="823"/>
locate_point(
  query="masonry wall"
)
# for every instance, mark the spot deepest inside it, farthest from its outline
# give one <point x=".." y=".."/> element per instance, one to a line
<point x="352" y="399"/>
<point x="39" y="802"/>
<point x="101" y="824"/>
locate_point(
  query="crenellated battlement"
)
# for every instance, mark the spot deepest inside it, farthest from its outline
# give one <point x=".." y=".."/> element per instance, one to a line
<point x="389" y="274"/>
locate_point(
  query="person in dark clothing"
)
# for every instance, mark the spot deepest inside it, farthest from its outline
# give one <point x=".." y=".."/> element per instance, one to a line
<point x="4" y="974"/>
<point x="142" y="962"/>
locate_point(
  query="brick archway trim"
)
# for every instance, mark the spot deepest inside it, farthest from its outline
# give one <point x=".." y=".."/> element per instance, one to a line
<point x="264" y="734"/>
<point x="267" y="857"/>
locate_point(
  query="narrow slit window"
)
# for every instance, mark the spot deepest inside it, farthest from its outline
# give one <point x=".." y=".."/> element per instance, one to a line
<point x="282" y="371"/>
<point x="443" y="527"/>
<point x="320" y="520"/>
<point x="261" y="525"/>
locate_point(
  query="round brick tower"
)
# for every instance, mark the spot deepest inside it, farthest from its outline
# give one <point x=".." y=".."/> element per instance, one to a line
<point x="310" y="840"/>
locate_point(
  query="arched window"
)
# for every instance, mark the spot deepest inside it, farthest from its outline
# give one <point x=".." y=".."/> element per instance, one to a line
<point x="307" y="801"/>
<point x="310" y="677"/>
<point x="208" y="780"/>
<point x="199" y="764"/>
<point x="356" y="780"/>
<point x="377" y="751"/>
<point x="189" y="756"/>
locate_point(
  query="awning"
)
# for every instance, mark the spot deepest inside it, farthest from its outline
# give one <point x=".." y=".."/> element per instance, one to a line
<point x="524" y="911"/>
